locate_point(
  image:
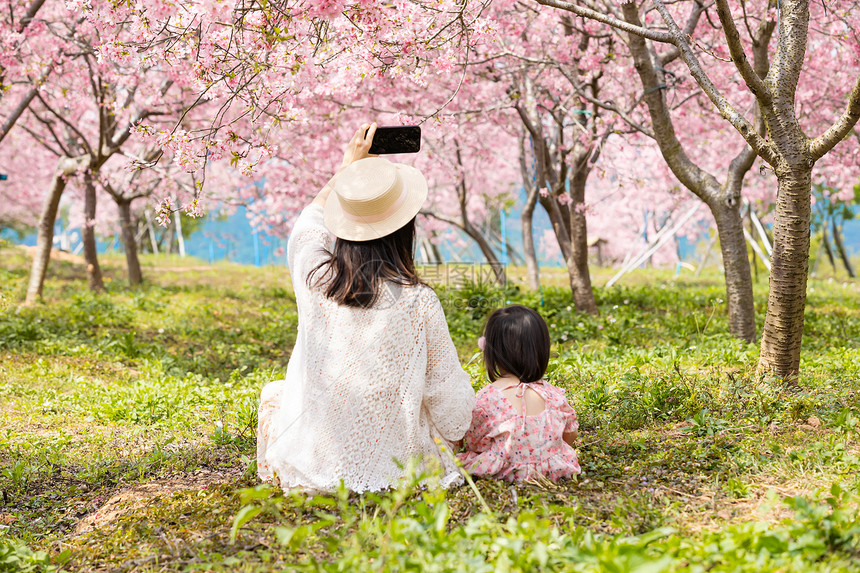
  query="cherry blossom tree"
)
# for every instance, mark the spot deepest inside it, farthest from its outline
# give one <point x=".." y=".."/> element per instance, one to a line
<point x="462" y="159"/>
<point x="782" y="143"/>
<point x="21" y="77"/>
<point x="84" y="116"/>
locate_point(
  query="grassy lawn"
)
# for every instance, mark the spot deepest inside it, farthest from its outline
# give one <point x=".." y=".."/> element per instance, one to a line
<point x="127" y="425"/>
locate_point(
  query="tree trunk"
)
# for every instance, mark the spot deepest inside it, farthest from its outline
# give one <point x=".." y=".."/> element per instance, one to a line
<point x="739" y="293"/>
<point x="840" y="248"/>
<point x="129" y="243"/>
<point x="88" y="236"/>
<point x="826" y="243"/>
<point x="526" y="222"/>
<point x="722" y="200"/>
<point x="487" y="250"/>
<point x="45" y="237"/>
<point x="171" y="238"/>
<point x="559" y="226"/>
<point x="577" y="261"/>
<point x="783" y="324"/>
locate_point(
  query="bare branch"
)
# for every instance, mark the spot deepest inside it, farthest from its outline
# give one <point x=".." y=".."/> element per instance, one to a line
<point x="761" y="146"/>
<point x="739" y="57"/>
<point x="819" y="146"/>
<point x="68" y="124"/>
<point x="22" y="106"/>
<point x="692" y="21"/>
<point x="653" y="35"/>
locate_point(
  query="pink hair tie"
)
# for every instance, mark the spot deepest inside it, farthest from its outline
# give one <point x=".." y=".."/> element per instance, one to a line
<point x="481" y="342"/>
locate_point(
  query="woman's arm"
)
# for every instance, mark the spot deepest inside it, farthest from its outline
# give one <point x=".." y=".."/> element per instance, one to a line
<point x="357" y="148"/>
<point x="310" y="239"/>
<point x="448" y="396"/>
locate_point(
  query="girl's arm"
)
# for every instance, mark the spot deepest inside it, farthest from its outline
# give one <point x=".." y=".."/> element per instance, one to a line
<point x="571" y="423"/>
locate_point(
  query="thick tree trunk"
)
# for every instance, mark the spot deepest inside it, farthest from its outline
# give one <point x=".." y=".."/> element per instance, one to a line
<point x="45" y="237"/>
<point x="739" y="293"/>
<point x="722" y="200"/>
<point x="88" y="236"/>
<point x="783" y="324"/>
<point x="840" y="248"/>
<point x="129" y="243"/>
<point x="526" y="222"/>
<point x="577" y="261"/>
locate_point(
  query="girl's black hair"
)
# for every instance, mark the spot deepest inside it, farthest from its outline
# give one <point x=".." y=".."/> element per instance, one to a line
<point x="356" y="271"/>
<point x="516" y="341"/>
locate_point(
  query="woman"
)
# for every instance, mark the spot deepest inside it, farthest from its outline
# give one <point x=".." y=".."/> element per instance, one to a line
<point x="374" y="379"/>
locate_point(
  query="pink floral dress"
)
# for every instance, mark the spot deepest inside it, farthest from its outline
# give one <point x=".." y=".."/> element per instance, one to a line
<point x="509" y="445"/>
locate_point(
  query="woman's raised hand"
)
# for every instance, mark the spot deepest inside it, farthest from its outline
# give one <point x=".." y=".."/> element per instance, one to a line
<point x="359" y="146"/>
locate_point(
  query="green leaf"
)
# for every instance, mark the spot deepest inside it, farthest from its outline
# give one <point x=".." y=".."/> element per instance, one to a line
<point x="245" y="515"/>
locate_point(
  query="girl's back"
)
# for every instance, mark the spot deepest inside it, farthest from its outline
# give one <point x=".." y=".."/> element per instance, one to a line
<point x="506" y="442"/>
<point x="522" y="427"/>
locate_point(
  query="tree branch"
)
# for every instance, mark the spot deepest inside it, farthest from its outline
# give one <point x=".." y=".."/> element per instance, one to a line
<point x="22" y="106"/>
<point x="653" y="35"/>
<point x="607" y="105"/>
<point x="688" y="173"/>
<point x="790" y="52"/>
<point x="68" y="124"/>
<point x="31" y="13"/>
<point x="739" y="57"/>
<point x="443" y="218"/>
<point x="692" y="21"/>
<point x="761" y="146"/>
<point x="819" y="146"/>
<point x="42" y="142"/>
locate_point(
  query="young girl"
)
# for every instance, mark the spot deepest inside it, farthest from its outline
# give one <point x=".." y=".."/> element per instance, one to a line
<point x="522" y="427"/>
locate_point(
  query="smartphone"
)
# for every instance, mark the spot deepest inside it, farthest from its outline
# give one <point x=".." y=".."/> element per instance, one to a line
<point x="400" y="139"/>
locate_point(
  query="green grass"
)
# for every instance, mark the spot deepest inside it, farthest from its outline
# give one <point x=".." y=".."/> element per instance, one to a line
<point x="689" y="464"/>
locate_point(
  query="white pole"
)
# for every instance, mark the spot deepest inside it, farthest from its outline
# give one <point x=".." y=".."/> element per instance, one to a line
<point x="151" y="232"/>
<point x="708" y="251"/>
<point x="663" y="237"/>
<point x="177" y="218"/>
<point x="757" y="249"/>
<point x="758" y="227"/>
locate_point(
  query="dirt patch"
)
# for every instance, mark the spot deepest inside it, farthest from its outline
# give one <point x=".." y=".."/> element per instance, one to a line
<point x="138" y="496"/>
<point x="57" y="255"/>
<point x="179" y="269"/>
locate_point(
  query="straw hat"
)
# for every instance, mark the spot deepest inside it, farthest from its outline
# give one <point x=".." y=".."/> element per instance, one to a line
<point x="374" y="197"/>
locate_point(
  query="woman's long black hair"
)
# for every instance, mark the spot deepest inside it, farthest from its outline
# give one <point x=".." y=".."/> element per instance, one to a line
<point x="356" y="271"/>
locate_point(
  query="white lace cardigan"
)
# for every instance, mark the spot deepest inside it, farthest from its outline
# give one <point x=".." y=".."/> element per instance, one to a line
<point x="366" y="389"/>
